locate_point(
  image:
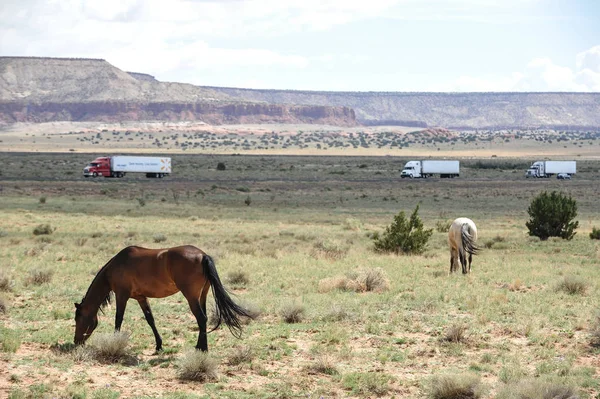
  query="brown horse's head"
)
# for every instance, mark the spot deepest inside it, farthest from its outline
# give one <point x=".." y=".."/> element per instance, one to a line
<point x="85" y="324"/>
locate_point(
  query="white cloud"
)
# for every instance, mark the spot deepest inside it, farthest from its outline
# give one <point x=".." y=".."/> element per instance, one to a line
<point x="540" y="74"/>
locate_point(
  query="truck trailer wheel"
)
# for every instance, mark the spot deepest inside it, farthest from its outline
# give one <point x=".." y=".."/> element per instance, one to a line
<point x="94" y="174"/>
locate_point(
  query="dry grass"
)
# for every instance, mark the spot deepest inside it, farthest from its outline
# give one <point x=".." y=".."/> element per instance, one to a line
<point x="241" y="354"/>
<point x="293" y="313"/>
<point x="455" y="387"/>
<point x="364" y="280"/>
<point x="322" y="365"/>
<point x="39" y="277"/>
<point x="595" y="331"/>
<point x="238" y="278"/>
<point x="337" y="313"/>
<point x="456" y="333"/>
<point x="197" y="366"/>
<point x="572" y="285"/>
<point x="3" y="304"/>
<point x="536" y="389"/>
<point x="6" y="282"/>
<point x="109" y="347"/>
<point x="329" y="249"/>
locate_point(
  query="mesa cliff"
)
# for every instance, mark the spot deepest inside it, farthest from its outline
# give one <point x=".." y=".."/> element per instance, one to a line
<point x="59" y="89"/>
<point x="570" y="111"/>
<point x="35" y="89"/>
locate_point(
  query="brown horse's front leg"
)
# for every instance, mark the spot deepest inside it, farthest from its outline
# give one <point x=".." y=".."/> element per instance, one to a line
<point x="150" y="319"/>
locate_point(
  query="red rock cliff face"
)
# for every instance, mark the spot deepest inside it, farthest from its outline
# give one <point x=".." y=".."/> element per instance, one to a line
<point x="211" y="113"/>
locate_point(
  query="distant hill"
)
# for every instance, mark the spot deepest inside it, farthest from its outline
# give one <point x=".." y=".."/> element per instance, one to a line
<point x="36" y="89"/>
<point x="450" y="110"/>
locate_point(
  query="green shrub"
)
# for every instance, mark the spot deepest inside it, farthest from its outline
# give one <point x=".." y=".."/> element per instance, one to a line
<point x="158" y="238"/>
<point x="221" y="166"/>
<point x="42" y="229"/>
<point x="405" y="236"/>
<point x="551" y="215"/>
<point x="595" y="234"/>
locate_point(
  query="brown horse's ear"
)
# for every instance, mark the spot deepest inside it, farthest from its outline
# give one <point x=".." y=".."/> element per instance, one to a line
<point x="77" y="305"/>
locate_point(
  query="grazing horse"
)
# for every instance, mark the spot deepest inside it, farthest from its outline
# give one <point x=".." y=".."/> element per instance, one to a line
<point x="142" y="273"/>
<point x="462" y="237"/>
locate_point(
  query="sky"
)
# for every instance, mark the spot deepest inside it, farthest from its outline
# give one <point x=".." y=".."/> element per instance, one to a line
<point x="337" y="45"/>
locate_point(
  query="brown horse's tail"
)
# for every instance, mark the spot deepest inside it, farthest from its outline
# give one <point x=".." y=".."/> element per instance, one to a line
<point x="227" y="311"/>
<point x="468" y="240"/>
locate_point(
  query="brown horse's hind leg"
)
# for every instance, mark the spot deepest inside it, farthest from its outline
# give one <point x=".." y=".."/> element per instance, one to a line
<point x="121" y="301"/>
<point x="150" y="319"/>
<point x="198" y="307"/>
<point x="463" y="262"/>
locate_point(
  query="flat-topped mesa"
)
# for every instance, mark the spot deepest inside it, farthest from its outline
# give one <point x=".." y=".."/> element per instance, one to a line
<point x="39" y="89"/>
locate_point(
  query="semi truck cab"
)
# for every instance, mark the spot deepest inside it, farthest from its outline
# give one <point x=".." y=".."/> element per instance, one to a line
<point x="98" y="167"/>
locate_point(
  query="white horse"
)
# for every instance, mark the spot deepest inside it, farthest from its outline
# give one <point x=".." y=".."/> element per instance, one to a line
<point x="461" y="238"/>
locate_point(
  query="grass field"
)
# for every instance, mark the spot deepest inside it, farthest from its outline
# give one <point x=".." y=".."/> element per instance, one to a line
<point x="283" y="231"/>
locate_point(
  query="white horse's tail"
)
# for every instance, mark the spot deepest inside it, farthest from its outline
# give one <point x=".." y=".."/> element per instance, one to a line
<point x="468" y="240"/>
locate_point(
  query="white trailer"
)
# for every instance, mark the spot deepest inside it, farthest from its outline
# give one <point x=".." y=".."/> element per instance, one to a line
<point x="431" y="167"/>
<point x="541" y="169"/>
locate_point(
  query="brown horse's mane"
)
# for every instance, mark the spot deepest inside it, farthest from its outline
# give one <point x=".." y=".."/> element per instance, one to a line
<point x="106" y="300"/>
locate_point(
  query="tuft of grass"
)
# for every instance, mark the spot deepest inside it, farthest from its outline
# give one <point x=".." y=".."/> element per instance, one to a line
<point x="39" y="277"/>
<point x="595" y="234"/>
<point x="352" y="224"/>
<point x="366" y="384"/>
<point x="3" y="304"/>
<point x="238" y="278"/>
<point x="572" y="285"/>
<point x="80" y="241"/>
<point x="463" y="386"/>
<point x="322" y="365"/>
<point x="6" y="282"/>
<point x="159" y="238"/>
<point x="10" y="340"/>
<point x="109" y="347"/>
<point x="537" y="389"/>
<point x="337" y="313"/>
<point x="42" y="229"/>
<point x="456" y="333"/>
<point x="42" y="199"/>
<point x="595" y="331"/>
<point x="443" y="226"/>
<point x="293" y="313"/>
<point x="373" y="280"/>
<point x="364" y="280"/>
<point x="242" y="354"/>
<point x="197" y="366"/>
<point x="331" y="250"/>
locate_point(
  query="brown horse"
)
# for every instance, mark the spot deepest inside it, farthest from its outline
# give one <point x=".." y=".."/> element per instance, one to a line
<point x="461" y="238"/>
<point x="142" y="273"/>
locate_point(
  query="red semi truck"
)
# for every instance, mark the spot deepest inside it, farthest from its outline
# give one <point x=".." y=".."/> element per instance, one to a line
<point x="118" y="166"/>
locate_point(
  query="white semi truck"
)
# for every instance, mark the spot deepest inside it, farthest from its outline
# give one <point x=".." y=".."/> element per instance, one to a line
<point x="429" y="168"/>
<point x="550" y="168"/>
<point x="118" y="166"/>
